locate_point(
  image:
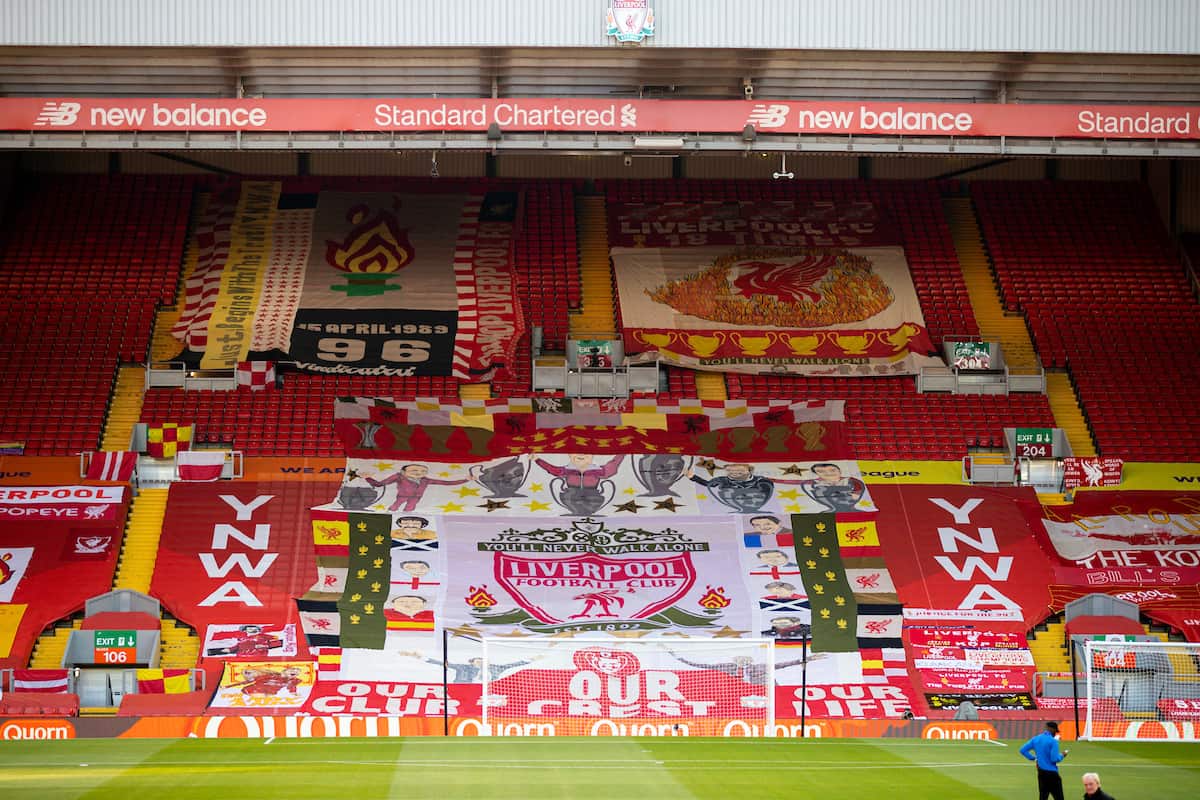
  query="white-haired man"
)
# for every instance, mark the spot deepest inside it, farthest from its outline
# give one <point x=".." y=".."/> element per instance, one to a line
<point x="1091" y="788"/>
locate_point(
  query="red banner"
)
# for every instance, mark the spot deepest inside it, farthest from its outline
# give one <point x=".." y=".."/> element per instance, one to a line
<point x="237" y="553"/>
<point x="1180" y="708"/>
<point x="1091" y="472"/>
<point x="393" y="699"/>
<point x="965" y="637"/>
<point x="963" y="548"/>
<point x="989" y="680"/>
<point x="53" y="563"/>
<point x="568" y="114"/>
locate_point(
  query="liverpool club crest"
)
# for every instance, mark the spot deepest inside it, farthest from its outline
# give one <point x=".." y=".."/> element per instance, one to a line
<point x="629" y="20"/>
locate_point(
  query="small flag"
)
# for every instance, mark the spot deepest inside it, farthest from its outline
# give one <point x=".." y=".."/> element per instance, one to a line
<point x="166" y="440"/>
<point x="52" y="681"/>
<point x="111" y="465"/>
<point x="329" y="662"/>
<point x="164" y="681"/>
<point x="256" y="376"/>
<point x="879" y="626"/>
<point x="200" y="465"/>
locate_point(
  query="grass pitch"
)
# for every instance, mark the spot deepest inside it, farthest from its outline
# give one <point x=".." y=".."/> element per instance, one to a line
<point x="578" y="769"/>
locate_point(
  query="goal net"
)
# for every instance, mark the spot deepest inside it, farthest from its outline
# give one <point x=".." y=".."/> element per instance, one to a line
<point x="1142" y="690"/>
<point x="613" y="687"/>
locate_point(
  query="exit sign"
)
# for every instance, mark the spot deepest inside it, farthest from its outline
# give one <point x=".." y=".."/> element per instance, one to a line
<point x="115" y="647"/>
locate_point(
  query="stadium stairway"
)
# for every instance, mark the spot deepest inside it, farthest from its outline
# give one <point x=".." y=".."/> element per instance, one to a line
<point x="125" y="408"/>
<point x="475" y="391"/>
<point x="140" y="547"/>
<point x="1049" y="649"/>
<point x="596" y="316"/>
<point x="180" y="647"/>
<point x="711" y="386"/>
<point x="51" y="646"/>
<point x="995" y="324"/>
<point x="1067" y="413"/>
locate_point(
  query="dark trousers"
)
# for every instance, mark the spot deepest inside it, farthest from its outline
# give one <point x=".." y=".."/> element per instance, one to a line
<point x="1049" y="785"/>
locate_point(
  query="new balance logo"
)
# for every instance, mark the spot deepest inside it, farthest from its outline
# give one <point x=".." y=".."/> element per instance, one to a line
<point x="768" y="116"/>
<point x="57" y="114"/>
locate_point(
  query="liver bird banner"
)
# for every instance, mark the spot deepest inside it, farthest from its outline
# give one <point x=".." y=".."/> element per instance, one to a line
<point x="359" y="283"/>
<point x="767" y="287"/>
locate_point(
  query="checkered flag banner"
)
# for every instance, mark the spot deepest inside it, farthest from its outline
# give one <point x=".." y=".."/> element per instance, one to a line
<point x="256" y="376"/>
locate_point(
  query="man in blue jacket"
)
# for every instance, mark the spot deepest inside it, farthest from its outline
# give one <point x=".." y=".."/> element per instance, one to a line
<point x="1043" y="749"/>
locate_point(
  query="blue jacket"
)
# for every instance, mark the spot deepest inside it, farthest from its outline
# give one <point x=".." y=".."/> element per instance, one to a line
<point x="1045" y="746"/>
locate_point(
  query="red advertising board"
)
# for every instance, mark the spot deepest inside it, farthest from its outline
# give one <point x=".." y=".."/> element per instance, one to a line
<point x="581" y="115"/>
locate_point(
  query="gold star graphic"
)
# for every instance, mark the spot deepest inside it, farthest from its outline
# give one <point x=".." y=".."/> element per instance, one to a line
<point x="789" y="494"/>
<point x="450" y="508"/>
<point x="792" y="470"/>
<point x="467" y="491"/>
<point x="728" y="633"/>
<point x="492" y="505"/>
<point x="384" y="466"/>
<point x="536" y="487"/>
<point x="632" y="507"/>
<point x="537" y="505"/>
<point x="668" y="505"/>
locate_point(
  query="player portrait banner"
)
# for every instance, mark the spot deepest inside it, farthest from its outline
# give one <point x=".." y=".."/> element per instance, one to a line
<point x="586" y="485"/>
<point x="815" y="310"/>
<point x="362" y="283"/>
<point x="264" y="687"/>
<point x="250" y="641"/>
<point x="236" y="553"/>
<point x="960" y="553"/>
<point x="381" y="428"/>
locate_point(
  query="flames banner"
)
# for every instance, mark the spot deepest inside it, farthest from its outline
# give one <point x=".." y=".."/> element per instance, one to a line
<point x="1158" y="525"/>
<point x="755" y="287"/>
<point x="357" y="283"/>
<point x="378" y="428"/>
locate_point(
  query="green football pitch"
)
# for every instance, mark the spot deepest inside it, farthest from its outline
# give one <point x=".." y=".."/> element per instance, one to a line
<point x="579" y="769"/>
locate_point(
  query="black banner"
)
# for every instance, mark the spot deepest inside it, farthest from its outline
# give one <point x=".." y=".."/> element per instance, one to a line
<point x="374" y="341"/>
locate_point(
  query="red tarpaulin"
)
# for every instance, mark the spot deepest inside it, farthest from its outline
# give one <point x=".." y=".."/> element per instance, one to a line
<point x="58" y="547"/>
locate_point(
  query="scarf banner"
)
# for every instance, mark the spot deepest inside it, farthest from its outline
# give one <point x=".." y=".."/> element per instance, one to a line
<point x="236" y="554"/>
<point x="380" y="428"/>
<point x="584" y="485"/>
<point x="963" y="552"/>
<point x="360" y="283"/>
<point x="771" y="309"/>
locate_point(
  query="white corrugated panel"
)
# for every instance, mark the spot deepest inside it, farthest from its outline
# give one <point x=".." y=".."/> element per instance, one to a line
<point x="1093" y="26"/>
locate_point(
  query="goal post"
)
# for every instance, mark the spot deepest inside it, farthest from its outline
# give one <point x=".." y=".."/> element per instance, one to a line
<point x="613" y="686"/>
<point x="1141" y="690"/>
